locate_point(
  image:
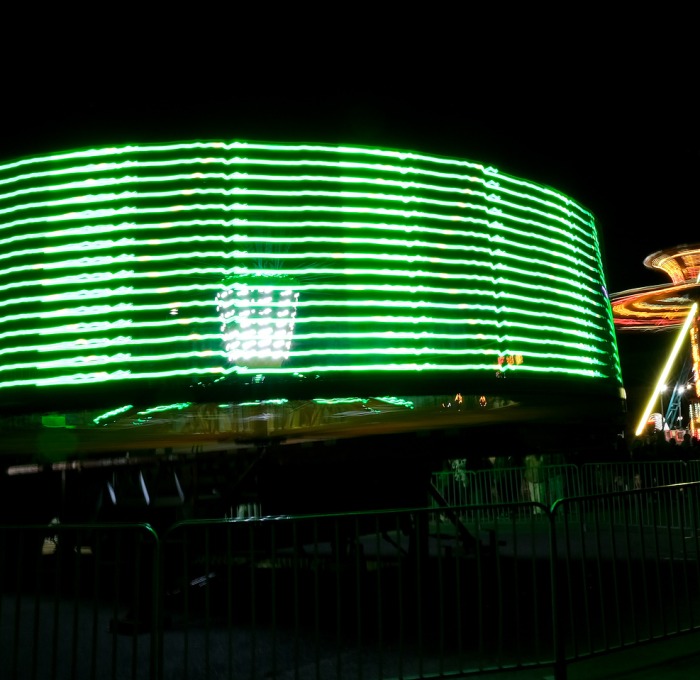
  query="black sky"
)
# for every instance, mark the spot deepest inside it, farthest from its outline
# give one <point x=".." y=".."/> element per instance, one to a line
<point x="619" y="136"/>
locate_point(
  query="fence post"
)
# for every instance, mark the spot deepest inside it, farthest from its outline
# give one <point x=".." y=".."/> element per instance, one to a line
<point x="157" y="603"/>
<point x="558" y="640"/>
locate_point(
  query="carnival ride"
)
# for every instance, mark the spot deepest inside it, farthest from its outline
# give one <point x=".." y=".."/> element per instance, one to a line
<point x="238" y="300"/>
<point x="667" y="307"/>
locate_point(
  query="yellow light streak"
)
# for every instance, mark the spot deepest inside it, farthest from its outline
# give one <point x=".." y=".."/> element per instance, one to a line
<point x="667" y="368"/>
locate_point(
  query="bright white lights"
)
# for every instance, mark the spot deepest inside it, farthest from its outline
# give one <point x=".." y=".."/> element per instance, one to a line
<point x="257" y="320"/>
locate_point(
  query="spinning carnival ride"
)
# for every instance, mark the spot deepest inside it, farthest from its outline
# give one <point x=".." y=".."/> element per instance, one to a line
<point x="211" y="295"/>
<point x="664" y="308"/>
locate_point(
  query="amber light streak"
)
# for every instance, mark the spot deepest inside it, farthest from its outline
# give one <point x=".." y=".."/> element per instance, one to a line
<point x="652" y="307"/>
<point x="659" y="307"/>
<point x="667" y="368"/>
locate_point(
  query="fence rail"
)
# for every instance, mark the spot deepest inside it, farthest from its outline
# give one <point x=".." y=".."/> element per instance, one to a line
<point x="435" y="592"/>
<point x="549" y="483"/>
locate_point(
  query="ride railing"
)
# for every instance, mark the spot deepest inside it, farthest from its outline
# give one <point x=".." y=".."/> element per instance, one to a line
<point x="498" y="486"/>
<point x="431" y="592"/>
<point x="549" y="483"/>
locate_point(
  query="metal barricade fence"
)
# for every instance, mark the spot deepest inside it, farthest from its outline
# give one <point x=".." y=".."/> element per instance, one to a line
<point x="75" y="601"/>
<point x="506" y="486"/>
<point x="431" y="592"/>
<point x="693" y="470"/>
<point x="624" y="476"/>
<point x="604" y="478"/>
<point x="624" y="578"/>
<point x="384" y="595"/>
<point x="497" y="486"/>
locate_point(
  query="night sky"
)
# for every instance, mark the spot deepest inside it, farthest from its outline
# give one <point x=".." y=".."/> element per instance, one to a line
<point x="621" y="139"/>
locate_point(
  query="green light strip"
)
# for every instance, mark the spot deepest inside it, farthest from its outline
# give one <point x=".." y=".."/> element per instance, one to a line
<point x="112" y="413"/>
<point x="384" y="183"/>
<point x="528" y="228"/>
<point x="495" y="179"/>
<point x="83" y="311"/>
<point x="249" y="194"/>
<point x="77" y="346"/>
<point x="112" y="261"/>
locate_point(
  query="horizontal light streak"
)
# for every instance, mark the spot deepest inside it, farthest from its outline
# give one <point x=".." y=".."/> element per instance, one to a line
<point x="499" y="282"/>
<point x="576" y="268"/>
<point x="331" y="303"/>
<point x="81" y="186"/>
<point x="569" y="245"/>
<point x="382" y="367"/>
<point x="567" y="230"/>
<point x="492" y="178"/>
<point x="389" y="336"/>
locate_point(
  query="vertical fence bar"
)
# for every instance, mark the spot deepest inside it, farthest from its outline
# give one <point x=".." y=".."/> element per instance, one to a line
<point x="83" y="600"/>
<point x="558" y="598"/>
